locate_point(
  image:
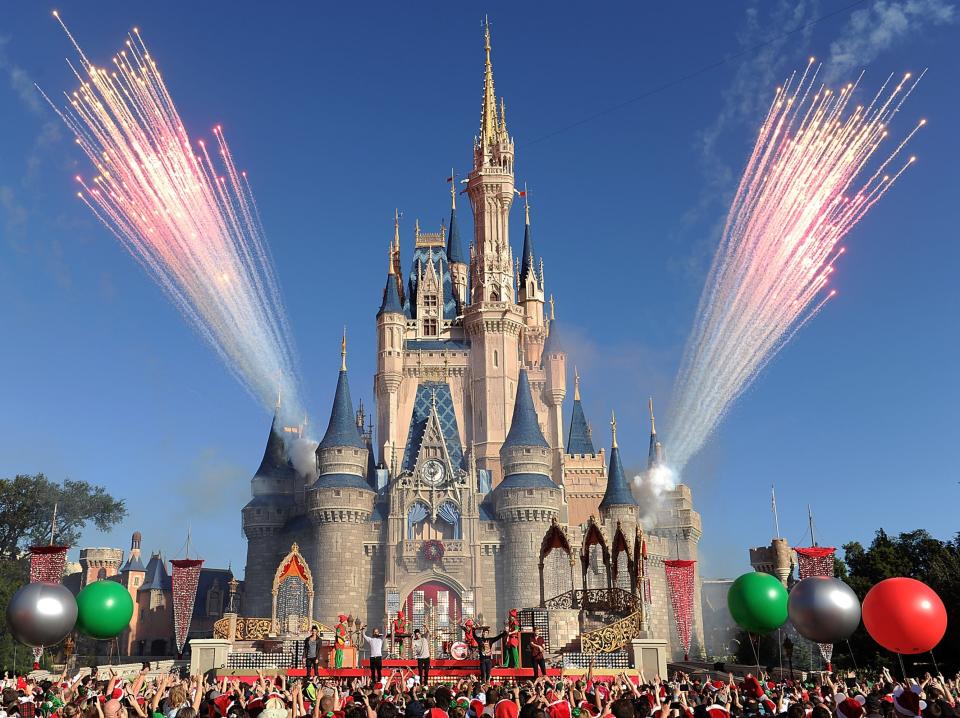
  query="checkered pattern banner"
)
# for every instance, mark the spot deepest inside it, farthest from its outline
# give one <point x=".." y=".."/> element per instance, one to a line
<point x="680" y="582"/>
<point x="817" y="561"/>
<point x="185" y="579"/>
<point x="47" y="563"/>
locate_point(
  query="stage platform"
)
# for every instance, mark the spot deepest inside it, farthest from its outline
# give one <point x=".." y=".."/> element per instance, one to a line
<point x="441" y="671"/>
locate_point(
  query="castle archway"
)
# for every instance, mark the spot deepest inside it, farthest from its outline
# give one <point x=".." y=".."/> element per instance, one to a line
<point x="556" y="563"/>
<point x="595" y="558"/>
<point x="435" y="606"/>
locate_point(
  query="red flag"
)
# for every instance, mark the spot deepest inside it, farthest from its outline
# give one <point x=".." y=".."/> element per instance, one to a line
<point x="449" y="179"/>
<point x="522" y="194"/>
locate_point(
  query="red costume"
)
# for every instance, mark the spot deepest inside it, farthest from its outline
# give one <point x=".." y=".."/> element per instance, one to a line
<point x="469" y="633"/>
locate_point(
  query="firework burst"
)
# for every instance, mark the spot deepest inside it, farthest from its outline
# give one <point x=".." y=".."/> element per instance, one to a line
<point x="185" y="213"/>
<point x="816" y="169"/>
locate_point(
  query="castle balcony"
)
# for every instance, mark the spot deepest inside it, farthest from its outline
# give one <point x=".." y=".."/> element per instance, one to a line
<point x="414" y="555"/>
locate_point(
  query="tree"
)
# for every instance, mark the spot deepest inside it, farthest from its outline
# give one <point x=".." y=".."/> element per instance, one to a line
<point x="26" y="510"/>
<point x="915" y="554"/>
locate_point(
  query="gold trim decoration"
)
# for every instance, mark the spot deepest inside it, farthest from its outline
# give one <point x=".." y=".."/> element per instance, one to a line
<point x="613" y="637"/>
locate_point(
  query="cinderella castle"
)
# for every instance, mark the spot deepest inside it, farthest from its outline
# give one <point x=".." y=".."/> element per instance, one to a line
<point x="476" y="494"/>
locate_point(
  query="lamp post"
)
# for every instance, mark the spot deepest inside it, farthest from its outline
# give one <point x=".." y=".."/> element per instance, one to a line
<point x="788" y="649"/>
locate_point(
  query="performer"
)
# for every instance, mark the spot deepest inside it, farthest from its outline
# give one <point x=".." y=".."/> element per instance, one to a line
<point x="486" y="660"/>
<point x="375" y="644"/>
<point x="311" y="651"/>
<point x="399" y="631"/>
<point x="513" y="640"/>
<point x="469" y="635"/>
<point x="421" y="651"/>
<point x="538" y="653"/>
<point x="340" y="640"/>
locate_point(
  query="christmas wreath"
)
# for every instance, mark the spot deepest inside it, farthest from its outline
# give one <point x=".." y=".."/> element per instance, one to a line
<point x="433" y="550"/>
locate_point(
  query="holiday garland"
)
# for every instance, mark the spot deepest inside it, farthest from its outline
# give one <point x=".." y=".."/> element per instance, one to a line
<point x="433" y="550"/>
<point x="680" y="583"/>
<point x="185" y="579"/>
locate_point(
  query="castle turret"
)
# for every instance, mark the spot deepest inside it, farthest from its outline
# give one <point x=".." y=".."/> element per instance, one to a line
<point x="554" y="360"/>
<point x="531" y="293"/>
<point x="456" y="258"/>
<point x="340" y="503"/>
<point x="584" y="467"/>
<point x="132" y="577"/>
<point x="526" y="500"/>
<point x="493" y="321"/>
<point x="618" y="503"/>
<point x="655" y="454"/>
<point x="391" y="323"/>
<point x="99" y="563"/>
<point x="264" y="517"/>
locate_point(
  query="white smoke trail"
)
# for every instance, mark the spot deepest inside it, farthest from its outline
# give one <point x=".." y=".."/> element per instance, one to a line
<point x="649" y="489"/>
<point x="795" y="203"/>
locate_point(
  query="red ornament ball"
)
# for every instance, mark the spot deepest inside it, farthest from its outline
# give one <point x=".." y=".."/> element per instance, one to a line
<point x="904" y="615"/>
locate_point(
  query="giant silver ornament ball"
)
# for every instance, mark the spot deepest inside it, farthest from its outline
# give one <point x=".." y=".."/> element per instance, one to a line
<point x="41" y="614"/>
<point x="824" y="610"/>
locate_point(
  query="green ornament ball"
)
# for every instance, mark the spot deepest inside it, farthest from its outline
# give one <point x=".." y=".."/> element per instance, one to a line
<point x="758" y="602"/>
<point x="104" y="610"/>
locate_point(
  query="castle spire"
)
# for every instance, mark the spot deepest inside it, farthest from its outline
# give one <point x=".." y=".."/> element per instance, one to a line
<point x="343" y="350"/>
<point x="488" y="112"/>
<point x="655" y="452"/>
<point x="618" y="491"/>
<point x="579" y="439"/>
<point x="455" y="253"/>
<point x="453" y="189"/>
<point x="342" y="428"/>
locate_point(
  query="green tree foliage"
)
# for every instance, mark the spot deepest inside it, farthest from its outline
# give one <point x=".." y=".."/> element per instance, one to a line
<point x="26" y="509"/>
<point x="918" y="555"/>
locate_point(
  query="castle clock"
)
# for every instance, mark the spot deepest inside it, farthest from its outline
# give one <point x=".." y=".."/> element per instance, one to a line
<point x="433" y="472"/>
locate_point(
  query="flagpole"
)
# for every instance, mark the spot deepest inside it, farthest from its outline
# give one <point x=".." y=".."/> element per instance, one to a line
<point x="813" y="538"/>
<point x="773" y="505"/>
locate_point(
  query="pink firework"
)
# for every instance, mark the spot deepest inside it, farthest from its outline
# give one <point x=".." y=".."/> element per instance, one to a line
<point x="186" y="213"/>
<point x="815" y="171"/>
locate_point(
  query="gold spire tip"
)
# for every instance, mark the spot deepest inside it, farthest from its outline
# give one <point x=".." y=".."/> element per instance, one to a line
<point x="526" y="203"/>
<point x="453" y="189"/>
<point x="553" y="314"/>
<point x="576" y="384"/>
<point x="343" y="350"/>
<point x="390" y="259"/>
<point x="613" y="428"/>
<point x="653" y="424"/>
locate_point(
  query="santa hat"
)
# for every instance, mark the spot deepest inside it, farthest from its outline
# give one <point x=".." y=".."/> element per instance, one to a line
<point x="768" y="705"/>
<point x="342" y="617"/>
<point x="908" y="703"/>
<point x="513" y="612"/>
<point x="468" y="623"/>
<point x="850" y="707"/>
<point x="558" y="709"/>
<point x="751" y="687"/>
<point x="223" y="703"/>
<point x="476" y="707"/>
<point x="506" y="709"/>
<point x="717" y="711"/>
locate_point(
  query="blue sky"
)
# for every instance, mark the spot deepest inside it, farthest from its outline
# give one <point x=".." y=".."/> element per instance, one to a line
<point x="342" y="113"/>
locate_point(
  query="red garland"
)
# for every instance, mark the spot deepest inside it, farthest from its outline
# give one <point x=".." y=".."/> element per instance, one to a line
<point x="817" y="561"/>
<point x="433" y="550"/>
<point x="680" y="583"/>
<point x="47" y="563"/>
<point x="185" y="579"/>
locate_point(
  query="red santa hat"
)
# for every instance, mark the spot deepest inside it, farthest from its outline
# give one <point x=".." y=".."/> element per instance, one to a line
<point x="506" y="709"/>
<point x="342" y="617"/>
<point x="850" y="707"/>
<point x="751" y="687"/>
<point x="908" y="703"/>
<point x="223" y="703"/>
<point x="558" y="709"/>
<point x="717" y="711"/>
<point x="468" y="623"/>
<point x="768" y="705"/>
<point x="476" y="707"/>
<point x="513" y="613"/>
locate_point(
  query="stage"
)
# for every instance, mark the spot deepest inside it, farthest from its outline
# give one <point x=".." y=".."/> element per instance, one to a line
<point x="442" y="670"/>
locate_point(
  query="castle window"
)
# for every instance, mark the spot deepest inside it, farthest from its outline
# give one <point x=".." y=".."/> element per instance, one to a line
<point x="430" y="327"/>
<point x="430" y="300"/>
<point x="496" y="358"/>
<point x="214" y="600"/>
<point x="101" y="574"/>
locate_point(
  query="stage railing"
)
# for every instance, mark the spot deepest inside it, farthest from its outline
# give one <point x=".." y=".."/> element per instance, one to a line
<point x="613" y="637"/>
<point x="249" y="629"/>
<point x="614" y="600"/>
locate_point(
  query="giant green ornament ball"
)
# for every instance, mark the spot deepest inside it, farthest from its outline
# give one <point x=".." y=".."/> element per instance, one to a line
<point x="758" y="602"/>
<point x="104" y="610"/>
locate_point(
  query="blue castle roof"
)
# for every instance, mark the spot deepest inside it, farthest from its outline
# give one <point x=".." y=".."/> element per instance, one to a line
<point x="391" y="297"/>
<point x="156" y="577"/>
<point x="524" y="427"/>
<point x="618" y="491"/>
<point x="342" y="429"/>
<point x="133" y="564"/>
<point x="579" y="440"/>
<point x="422" y="258"/>
<point x="527" y="263"/>
<point x="342" y="481"/>
<point x="553" y="344"/>
<point x="428" y="393"/>
<point x="275" y="464"/>
<point x="454" y="248"/>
